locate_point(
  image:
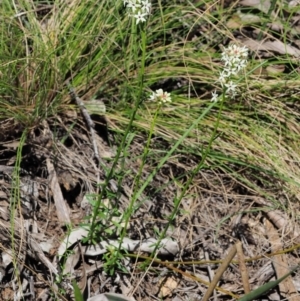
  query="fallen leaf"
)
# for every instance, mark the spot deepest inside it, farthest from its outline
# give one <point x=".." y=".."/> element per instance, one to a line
<point x="262" y="5"/>
<point x="72" y="260"/>
<point x="75" y="236"/>
<point x="110" y="297"/>
<point x="168" y="287"/>
<point x="275" y="46"/>
<point x="275" y="69"/>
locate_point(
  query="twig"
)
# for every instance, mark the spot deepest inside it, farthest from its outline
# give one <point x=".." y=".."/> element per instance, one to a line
<point x="210" y="272"/>
<point x="243" y="268"/>
<point x="10" y="169"/>
<point x="219" y="273"/>
<point x="31" y="287"/>
<point x="88" y="120"/>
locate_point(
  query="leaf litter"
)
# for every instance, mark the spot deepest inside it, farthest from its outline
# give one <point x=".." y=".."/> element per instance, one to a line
<point x="44" y="241"/>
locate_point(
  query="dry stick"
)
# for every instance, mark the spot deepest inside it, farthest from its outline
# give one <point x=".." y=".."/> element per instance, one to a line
<point x="220" y="272"/>
<point x="243" y="268"/>
<point x="31" y="288"/>
<point x="171" y="267"/>
<point x="210" y="273"/>
<point x="88" y="120"/>
<point x="83" y="281"/>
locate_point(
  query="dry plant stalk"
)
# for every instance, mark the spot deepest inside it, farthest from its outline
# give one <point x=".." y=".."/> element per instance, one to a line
<point x="243" y="268"/>
<point x="219" y="273"/>
<point x="88" y="120"/>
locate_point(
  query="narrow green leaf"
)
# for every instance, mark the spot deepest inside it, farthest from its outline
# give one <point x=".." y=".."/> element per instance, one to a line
<point x="266" y="287"/>
<point x="77" y="292"/>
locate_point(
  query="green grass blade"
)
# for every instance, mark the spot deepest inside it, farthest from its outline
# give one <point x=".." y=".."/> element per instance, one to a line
<point x="77" y="292"/>
<point x="266" y="287"/>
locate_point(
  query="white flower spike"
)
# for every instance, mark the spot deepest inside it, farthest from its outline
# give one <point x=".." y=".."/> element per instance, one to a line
<point x="235" y="60"/>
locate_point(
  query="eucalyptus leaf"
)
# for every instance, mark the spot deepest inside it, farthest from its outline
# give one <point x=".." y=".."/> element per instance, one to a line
<point x="110" y="297"/>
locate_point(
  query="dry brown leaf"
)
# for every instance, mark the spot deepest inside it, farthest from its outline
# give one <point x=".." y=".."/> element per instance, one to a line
<point x="275" y="69"/>
<point x="250" y="19"/>
<point x="293" y="3"/>
<point x="72" y="260"/>
<point x="13" y="145"/>
<point x="276" y="26"/>
<point x="287" y="288"/>
<point x="4" y="207"/>
<point x="75" y="236"/>
<point x="110" y="297"/>
<point x="275" y="46"/>
<point x="263" y="5"/>
<point x="280" y="220"/>
<point x="35" y="247"/>
<point x="167" y="287"/>
<point x="281" y="48"/>
<point x="234" y="22"/>
<point x="61" y="207"/>
<point x="167" y="246"/>
<point x="66" y="178"/>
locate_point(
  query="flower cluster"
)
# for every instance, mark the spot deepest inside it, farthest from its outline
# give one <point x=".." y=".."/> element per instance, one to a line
<point x="235" y="60"/>
<point x="139" y="9"/>
<point x="160" y="96"/>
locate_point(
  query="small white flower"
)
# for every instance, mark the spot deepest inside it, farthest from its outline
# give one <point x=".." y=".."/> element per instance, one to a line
<point x="160" y="96"/>
<point x="224" y="76"/>
<point x="225" y="58"/>
<point x="146" y="6"/>
<point x="234" y="70"/>
<point x="230" y="87"/>
<point x="140" y="17"/>
<point x="215" y="96"/>
<point x="235" y="56"/>
<point x="163" y="96"/>
<point x="242" y="64"/>
<point x="152" y="97"/>
<point x="133" y="5"/>
<point x="241" y="51"/>
<point x="237" y="51"/>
